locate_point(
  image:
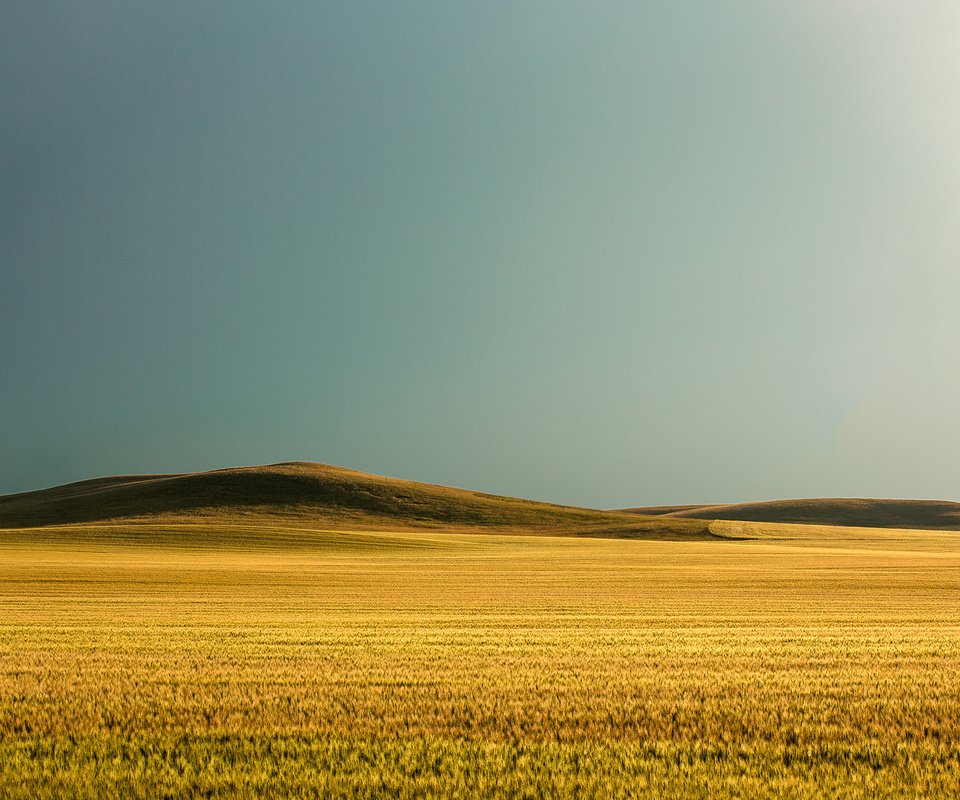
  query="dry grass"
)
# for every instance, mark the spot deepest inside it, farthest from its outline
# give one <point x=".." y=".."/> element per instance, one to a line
<point x="311" y="496"/>
<point x="858" y="512"/>
<point x="371" y="664"/>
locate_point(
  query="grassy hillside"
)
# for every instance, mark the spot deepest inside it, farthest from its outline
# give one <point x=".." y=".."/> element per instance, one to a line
<point x="858" y="512"/>
<point x="301" y="630"/>
<point x="308" y="495"/>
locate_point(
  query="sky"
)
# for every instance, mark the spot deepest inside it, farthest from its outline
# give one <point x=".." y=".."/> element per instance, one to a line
<point x="608" y="254"/>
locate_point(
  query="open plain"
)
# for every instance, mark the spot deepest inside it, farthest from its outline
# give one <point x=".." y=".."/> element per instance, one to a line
<point x="174" y="659"/>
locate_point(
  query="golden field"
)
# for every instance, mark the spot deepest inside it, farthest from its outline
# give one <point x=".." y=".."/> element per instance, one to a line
<point x="172" y="661"/>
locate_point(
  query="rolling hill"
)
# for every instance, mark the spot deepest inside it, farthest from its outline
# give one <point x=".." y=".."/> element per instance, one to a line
<point x="857" y="512"/>
<point x="305" y="495"/>
<point x="309" y="495"/>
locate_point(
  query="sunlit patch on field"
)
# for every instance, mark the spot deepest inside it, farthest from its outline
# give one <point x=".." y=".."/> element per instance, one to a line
<point x="426" y="664"/>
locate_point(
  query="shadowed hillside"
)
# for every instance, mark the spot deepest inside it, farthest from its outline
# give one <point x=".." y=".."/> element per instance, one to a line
<point x="863" y="513"/>
<point x="316" y="496"/>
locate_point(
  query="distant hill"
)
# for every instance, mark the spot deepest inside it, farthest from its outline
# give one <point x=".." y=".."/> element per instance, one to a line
<point x="309" y="495"/>
<point x="858" y="512"/>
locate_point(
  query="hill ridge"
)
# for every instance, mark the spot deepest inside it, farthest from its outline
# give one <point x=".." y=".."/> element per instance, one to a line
<point x="308" y="494"/>
<point x="844" y="511"/>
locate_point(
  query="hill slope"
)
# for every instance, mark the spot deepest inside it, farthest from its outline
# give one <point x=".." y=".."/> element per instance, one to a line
<point x="859" y="512"/>
<point x="312" y="495"/>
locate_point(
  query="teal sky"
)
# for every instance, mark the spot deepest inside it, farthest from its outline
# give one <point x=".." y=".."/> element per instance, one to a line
<point x="604" y="254"/>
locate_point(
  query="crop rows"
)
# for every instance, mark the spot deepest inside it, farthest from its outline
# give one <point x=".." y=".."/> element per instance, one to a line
<point x="470" y="665"/>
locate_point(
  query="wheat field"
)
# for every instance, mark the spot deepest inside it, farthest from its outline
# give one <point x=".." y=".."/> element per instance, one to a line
<point x="335" y="664"/>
